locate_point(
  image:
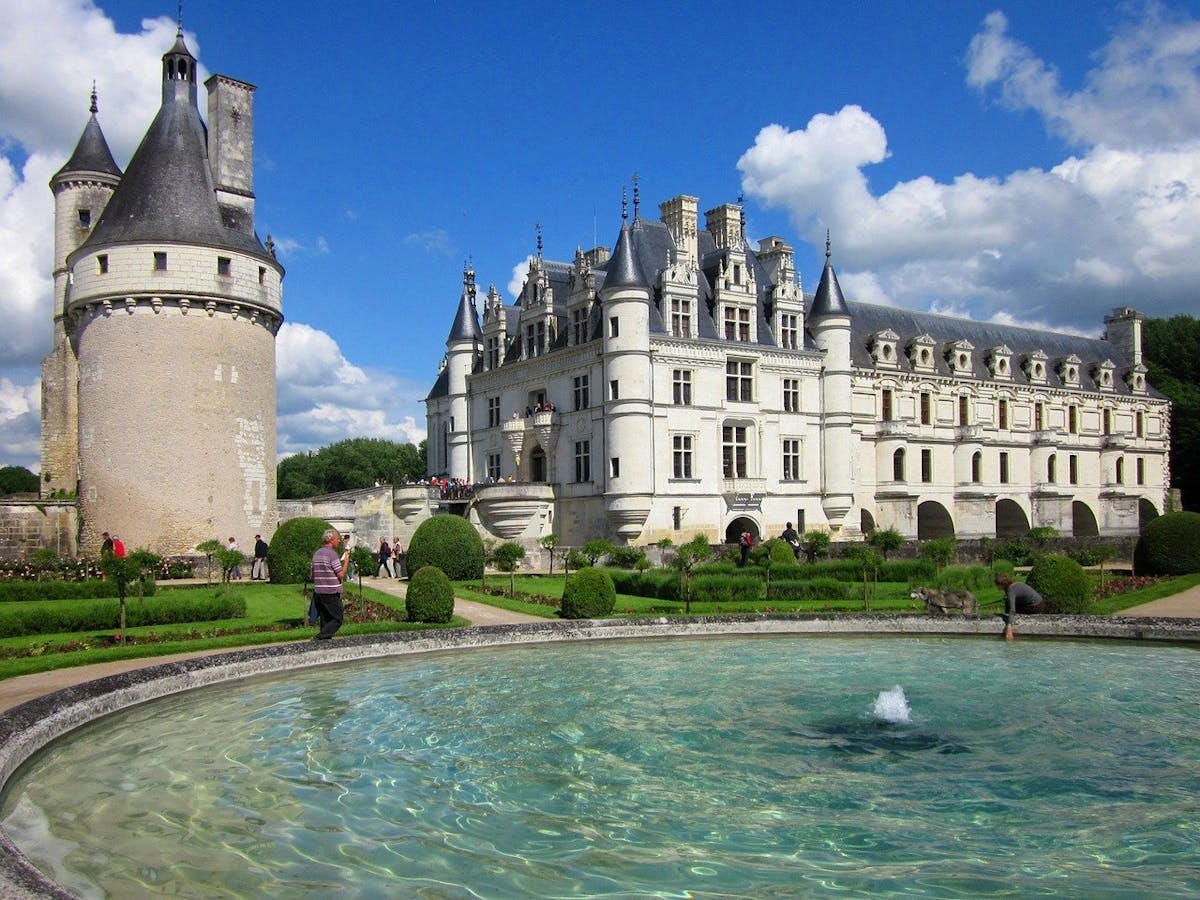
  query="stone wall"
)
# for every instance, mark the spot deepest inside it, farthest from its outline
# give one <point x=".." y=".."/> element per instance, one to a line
<point x="27" y="525"/>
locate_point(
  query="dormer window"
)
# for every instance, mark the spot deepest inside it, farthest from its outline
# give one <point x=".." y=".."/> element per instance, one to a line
<point x="920" y="353"/>
<point x="883" y="348"/>
<point x="1136" y="379"/>
<point x="960" y="356"/>
<point x="85" y="218"/>
<point x="1036" y="366"/>
<point x="1068" y="370"/>
<point x="1102" y="375"/>
<point x="1000" y="363"/>
<point x="737" y="323"/>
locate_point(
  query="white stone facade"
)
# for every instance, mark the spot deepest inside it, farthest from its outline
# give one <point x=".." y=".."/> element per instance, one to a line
<point x="717" y="397"/>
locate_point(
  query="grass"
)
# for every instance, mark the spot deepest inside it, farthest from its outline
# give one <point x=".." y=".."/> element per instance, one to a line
<point x="274" y="614"/>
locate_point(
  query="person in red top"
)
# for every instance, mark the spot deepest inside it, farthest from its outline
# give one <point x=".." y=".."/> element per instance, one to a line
<point x="118" y="547"/>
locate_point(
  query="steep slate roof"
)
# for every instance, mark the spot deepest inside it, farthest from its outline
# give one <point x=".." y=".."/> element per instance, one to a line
<point x="866" y="320"/>
<point x="466" y="322"/>
<point x="828" y="301"/>
<point x="91" y="153"/>
<point x="167" y="192"/>
<point x="624" y="270"/>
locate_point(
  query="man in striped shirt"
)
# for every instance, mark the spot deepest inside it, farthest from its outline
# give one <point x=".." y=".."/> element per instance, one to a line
<point x="328" y="572"/>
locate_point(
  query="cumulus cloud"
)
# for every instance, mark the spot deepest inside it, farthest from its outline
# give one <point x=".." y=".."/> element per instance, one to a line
<point x="433" y="240"/>
<point x="324" y="398"/>
<point x="20" y="437"/>
<point x="520" y="274"/>
<point x="1116" y="224"/>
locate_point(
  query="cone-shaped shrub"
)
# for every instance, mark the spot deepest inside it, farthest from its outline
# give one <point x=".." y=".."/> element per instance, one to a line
<point x="290" y="553"/>
<point x="449" y="542"/>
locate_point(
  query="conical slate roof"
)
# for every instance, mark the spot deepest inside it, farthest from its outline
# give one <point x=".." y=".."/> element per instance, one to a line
<point x="624" y="270"/>
<point x="828" y="300"/>
<point x="466" y="322"/>
<point x="91" y="153"/>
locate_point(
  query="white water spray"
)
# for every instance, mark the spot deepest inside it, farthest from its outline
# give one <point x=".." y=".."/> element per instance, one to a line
<point x="892" y="707"/>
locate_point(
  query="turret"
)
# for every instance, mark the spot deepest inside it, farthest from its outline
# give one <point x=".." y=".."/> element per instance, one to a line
<point x="628" y="421"/>
<point x="829" y="320"/>
<point x="463" y="346"/>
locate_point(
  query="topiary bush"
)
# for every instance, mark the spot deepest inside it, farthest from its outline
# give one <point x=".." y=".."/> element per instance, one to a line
<point x="588" y="594"/>
<point x="964" y="578"/>
<point x="1169" y="545"/>
<point x="1062" y="583"/>
<point x="430" y="596"/>
<point x="781" y="553"/>
<point x="290" y="553"/>
<point x="449" y="542"/>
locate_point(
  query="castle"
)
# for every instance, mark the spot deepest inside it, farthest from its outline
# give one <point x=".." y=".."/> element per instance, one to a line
<point x="686" y="384"/>
<point x="158" y="397"/>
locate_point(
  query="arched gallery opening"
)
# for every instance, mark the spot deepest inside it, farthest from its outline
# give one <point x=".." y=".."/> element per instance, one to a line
<point x="733" y="531"/>
<point x="1146" y="512"/>
<point x="866" y="522"/>
<point x="1011" y="521"/>
<point x="933" y="521"/>
<point x="1083" y="520"/>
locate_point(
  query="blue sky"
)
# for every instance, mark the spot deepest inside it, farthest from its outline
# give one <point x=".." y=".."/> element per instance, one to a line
<point x="1033" y="162"/>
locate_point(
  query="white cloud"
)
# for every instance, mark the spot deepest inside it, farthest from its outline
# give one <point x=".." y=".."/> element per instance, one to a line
<point x="1116" y="224"/>
<point x="520" y="274"/>
<point x="20" y="414"/>
<point x="324" y="398"/>
<point x="433" y="240"/>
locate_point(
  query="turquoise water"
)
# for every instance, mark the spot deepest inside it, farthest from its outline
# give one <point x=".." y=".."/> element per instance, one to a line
<point x="733" y="767"/>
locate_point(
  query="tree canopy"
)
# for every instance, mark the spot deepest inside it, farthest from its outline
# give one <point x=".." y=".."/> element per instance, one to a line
<point x="1172" y="353"/>
<point x="17" y="480"/>
<point x="347" y="465"/>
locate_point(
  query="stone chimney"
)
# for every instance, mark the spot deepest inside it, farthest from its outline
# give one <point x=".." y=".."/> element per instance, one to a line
<point x="231" y="149"/>
<point x="679" y="215"/>
<point x="1123" y="329"/>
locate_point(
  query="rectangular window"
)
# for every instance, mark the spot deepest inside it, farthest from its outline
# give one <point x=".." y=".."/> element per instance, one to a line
<point x="927" y="465"/>
<point x="964" y="410"/>
<point x="789" y="332"/>
<point x="681" y="387"/>
<point x="493" y="407"/>
<point x="614" y="327"/>
<point x="885" y="405"/>
<point x="1002" y="413"/>
<point x="791" y="459"/>
<point x="800" y="521"/>
<point x="1073" y="419"/>
<point x="615" y="467"/>
<point x="583" y="461"/>
<point x="1139" y="424"/>
<point x="737" y="324"/>
<point x="102" y="262"/>
<point x="681" y="317"/>
<point x="614" y="390"/>
<point x="1140" y="466"/>
<point x="262" y="274"/>
<point x="493" y="466"/>
<point x="582" y="400"/>
<point x="1073" y="468"/>
<point x="530" y="342"/>
<point x="85" y="218"/>
<point x="160" y="261"/>
<point x="676" y="517"/>
<point x="1004" y="467"/>
<point x="1039" y="417"/>
<point x="739" y="381"/>
<point x="926" y="408"/>
<point x="1106" y="421"/>
<point x="681" y="456"/>
<point x="579" y="320"/>
<point x="791" y="395"/>
<point x="733" y="451"/>
<point x="224" y="266"/>
<point x="493" y="352"/>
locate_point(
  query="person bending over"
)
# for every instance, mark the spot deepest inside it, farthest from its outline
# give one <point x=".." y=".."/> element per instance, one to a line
<point x="1018" y="598"/>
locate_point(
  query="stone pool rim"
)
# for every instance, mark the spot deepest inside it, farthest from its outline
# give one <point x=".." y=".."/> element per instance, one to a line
<point x="27" y="728"/>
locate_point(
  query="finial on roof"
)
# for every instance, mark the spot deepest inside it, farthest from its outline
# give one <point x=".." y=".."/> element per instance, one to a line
<point x="538" y="226"/>
<point x="827" y="251"/>
<point x="637" y="197"/>
<point x="179" y="21"/>
<point x="95" y="108"/>
<point x="742" y="214"/>
<point x="624" y="206"/>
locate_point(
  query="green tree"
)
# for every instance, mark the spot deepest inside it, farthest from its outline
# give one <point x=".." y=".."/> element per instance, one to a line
<point x="687" y="557"/>
<point x="939" y="551"/>
<point x="17" y="480"/>
<point x="868" y="562"/>
<point x="209" y="549"/>
<point x="814" y="544"/>
<point x="1172" y="355"/>
<point x="347" y="465"/>
<point x="363" y="560"/>
<point x="886" y="540"/>
<point x="596" y="549"/>
<point x="548" y="543"/>
<point x="506" y="557"/>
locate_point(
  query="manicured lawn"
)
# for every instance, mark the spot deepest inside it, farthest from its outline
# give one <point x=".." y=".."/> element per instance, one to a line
<point x="274" y="613"/>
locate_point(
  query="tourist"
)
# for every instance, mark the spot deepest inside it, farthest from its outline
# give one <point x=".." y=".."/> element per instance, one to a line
<point x="118" y="547"/>
<point x="1018" y="598"/>
<point x="385" y="559"/>
<point x="328" y="572"/>
<point x="258" y="571"/>
<point x="793" y="539"/>
<point x="106" y="546"/>
<point x="397" y="558"/>
<point x="235" y="571"/>
<point x="746" y="542"/>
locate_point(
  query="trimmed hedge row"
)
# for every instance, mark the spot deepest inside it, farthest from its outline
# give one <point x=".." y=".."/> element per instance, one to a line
<point x="727" y="588"/>
<point x="906" y="570"/>
<point x="815" y="589"/>
<point x="92" y="589"/>
<point x="66" y="615"/>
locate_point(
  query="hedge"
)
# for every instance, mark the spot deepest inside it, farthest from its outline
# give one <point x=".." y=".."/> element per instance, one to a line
<point x="64" y="616"/>
<point x="290" y="553"/>
<point x="1169" y="545"/>
<point x="95" y="588"/>
<point x="429" y="597"/>
<point x="819" y="589"/>
<point x="1062" y="583"/>
<point x="727" y="589"/>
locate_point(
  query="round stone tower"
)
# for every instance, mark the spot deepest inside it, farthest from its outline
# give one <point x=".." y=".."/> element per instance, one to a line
<point x="172" y="308"/>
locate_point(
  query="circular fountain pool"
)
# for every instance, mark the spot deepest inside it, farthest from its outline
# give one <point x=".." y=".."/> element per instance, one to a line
<point x="727" y="767"/>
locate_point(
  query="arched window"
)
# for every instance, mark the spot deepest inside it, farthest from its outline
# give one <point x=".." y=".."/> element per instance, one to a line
<point x="977" y="467"/>
<point x="898" y="465"/>
<point x="1051" y="468"/>
<point x="1121" y="470"/>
